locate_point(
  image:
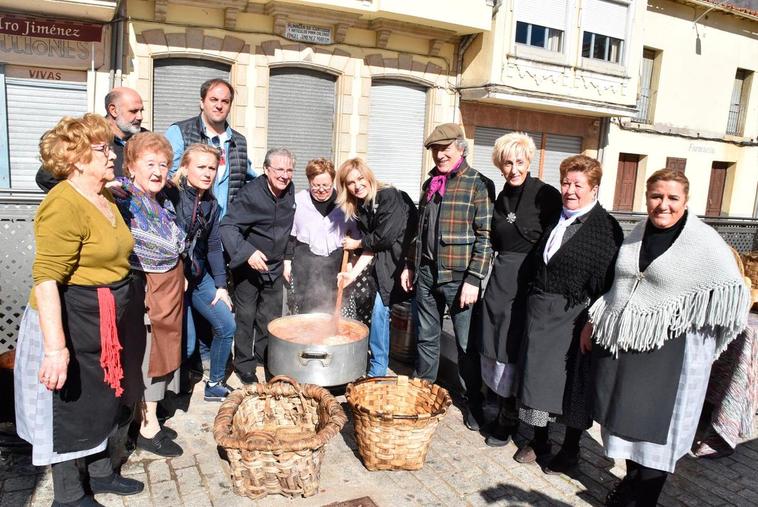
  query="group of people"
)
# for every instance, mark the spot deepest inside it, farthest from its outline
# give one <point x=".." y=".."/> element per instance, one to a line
<point x="140" y="224"/>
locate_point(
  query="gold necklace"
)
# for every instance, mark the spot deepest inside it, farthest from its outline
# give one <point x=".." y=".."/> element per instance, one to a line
<point x="99" y="201"/>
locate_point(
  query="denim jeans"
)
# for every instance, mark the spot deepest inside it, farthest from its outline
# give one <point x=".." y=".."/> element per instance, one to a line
<point x="199" y="295"/>
<point x="431" y="300"/>
<point x="379" y="338"/>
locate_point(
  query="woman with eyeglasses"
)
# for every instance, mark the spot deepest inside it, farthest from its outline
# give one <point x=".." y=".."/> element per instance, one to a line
<point x="314" y="251"/>
<point x="158" y="280"/>
<point x="68" y="368"/>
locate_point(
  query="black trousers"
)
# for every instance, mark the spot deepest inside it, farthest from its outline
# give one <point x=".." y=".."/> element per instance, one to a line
<point x="257" y="301"/>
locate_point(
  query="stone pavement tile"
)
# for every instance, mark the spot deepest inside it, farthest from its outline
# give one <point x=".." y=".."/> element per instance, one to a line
<point x="142" y="500"/>
<point x="164" y="493"/>
<point x="15" y="498"/>
<point x="20" y="482"/>
<point x="132" y="467"/>
<point x="158" y="471"/>
<point x="704" y="495"/>
<point x="749" y="495"/>
<point x="200" y="499"/>
<point x="189" y="482"/>
<point x="746" y="475"/>
<point x="110" y="500"/>
<point x="184" y="461"/>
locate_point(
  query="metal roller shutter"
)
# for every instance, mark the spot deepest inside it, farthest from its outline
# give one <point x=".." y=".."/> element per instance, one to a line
<point x="301" y="110"/>
<point x="176" y="88"/>
<point x="33" y="108"/>
<point x="396" y="134"/>
<point x="484" y="143"/>
<point x="557" y="148"/>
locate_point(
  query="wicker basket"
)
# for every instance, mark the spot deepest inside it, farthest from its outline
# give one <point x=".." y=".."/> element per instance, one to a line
<point x="395" y="419"/>
<point x="274" y="435"/>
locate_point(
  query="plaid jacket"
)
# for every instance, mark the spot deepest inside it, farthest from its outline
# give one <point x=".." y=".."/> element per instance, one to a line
<point x="463" y="227"/>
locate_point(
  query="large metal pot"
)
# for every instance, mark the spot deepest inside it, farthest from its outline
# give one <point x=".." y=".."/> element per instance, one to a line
<point x="308" y="349"/>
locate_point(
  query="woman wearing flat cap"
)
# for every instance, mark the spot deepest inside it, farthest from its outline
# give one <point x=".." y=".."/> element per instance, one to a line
<point x="677" y="300"/>
<point x="524" y="209"/>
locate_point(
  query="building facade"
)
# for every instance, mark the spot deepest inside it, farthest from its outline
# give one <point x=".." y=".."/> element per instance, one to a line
<point x="333" y="79"/>
<point x="556" y="69"/>
<point x="55" y="60"/>
<point x="697" y="107"/>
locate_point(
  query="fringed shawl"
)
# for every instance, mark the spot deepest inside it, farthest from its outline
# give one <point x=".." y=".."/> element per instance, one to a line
<point x="694" y="284"/>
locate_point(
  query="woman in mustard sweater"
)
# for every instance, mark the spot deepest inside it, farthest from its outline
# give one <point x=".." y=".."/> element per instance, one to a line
<point x="68" y="369"/>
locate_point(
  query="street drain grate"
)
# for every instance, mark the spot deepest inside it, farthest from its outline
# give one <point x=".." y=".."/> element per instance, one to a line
<point x="363" y="501"/>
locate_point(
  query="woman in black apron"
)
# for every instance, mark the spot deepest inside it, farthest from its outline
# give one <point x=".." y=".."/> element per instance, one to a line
<point x="523" y="210"/>
<point x="573" y="267"/>
<point x="70" y="379"/>
<point x="314" y="252"/>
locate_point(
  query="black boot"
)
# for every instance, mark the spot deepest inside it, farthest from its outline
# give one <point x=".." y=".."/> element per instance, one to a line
<point x="502" y="429"/>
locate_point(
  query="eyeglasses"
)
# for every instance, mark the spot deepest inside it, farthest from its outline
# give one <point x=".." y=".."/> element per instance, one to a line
<point x="104" y="147"/>
<point x="279" y="171"/>
<point x="321" y="187"/>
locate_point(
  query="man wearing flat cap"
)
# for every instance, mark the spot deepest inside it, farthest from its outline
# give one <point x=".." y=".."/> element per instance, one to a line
<point x="450" y="257"/>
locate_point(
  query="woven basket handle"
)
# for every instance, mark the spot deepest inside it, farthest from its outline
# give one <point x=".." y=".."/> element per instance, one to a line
<point x="298" y="389"/>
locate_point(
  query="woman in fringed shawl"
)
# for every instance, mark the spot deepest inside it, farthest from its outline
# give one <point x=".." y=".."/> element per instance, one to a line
<point x="69" y="376"/>
<point x="677" y="301"/>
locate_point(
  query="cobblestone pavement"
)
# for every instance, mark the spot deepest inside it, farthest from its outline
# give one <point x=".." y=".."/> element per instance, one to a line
<point x="460" y="470"/>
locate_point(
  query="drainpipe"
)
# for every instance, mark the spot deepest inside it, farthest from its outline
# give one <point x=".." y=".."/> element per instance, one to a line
<point x="117" y="45"/>
<point x="602" y="138"/>
<point x="463" y="45"/>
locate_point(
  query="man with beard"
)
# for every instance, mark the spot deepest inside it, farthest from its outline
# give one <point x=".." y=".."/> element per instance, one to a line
<point x="123" y="111"/>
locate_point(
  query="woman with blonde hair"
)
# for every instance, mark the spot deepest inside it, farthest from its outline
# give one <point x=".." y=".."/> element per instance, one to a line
<point x="158" y="279"/>
<point x="198" y="215"/>
<point x="523" y="210"/>
<point x="386" y="218"/>
<point x="69" y="372"/>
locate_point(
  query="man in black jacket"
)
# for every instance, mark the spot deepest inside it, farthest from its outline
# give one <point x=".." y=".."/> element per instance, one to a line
<point x="255" y="232"/>
<point x="123" y="111"/>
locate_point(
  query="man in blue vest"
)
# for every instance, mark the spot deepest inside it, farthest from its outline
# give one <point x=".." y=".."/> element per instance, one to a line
<point x="211" y="127"/>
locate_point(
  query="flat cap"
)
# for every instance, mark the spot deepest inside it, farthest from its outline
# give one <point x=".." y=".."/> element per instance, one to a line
<point x="444" y="134"/>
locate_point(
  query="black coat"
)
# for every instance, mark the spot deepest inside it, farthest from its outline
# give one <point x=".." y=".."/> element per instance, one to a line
<point x="204" y="250"/>
<point x="387" y="227"/>
<point x="256" y="220"/>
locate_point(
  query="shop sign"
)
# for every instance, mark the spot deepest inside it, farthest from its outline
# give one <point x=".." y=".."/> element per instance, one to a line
<point x="50" y="29"/>
<point x="45" y="73"/>
<point x="308" y="33"/>
<point x="697" y="148"/>
<point x="50" y="43"/>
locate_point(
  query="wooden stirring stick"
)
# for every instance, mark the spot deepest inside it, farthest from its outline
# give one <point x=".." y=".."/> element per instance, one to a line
<point x="340" y="286"/>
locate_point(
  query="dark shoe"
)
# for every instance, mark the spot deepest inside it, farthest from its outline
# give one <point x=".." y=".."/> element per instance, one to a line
<point x="217" y="392"/>
<point x="473" y="417"/>
<point x="621" y="494"/>
<point x="530" y="453"/>
<point x="85" y="501"/>
<point x="160" y="444"/>
<point x="169" y="432"/>
<point x="562" y="462"/>
<point x="116" y="484"/>
<point x="247" y="378"/>
<point x="500" y="435"/>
